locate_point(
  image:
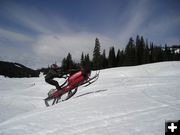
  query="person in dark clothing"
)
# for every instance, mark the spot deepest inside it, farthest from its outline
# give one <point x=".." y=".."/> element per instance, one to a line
<point x="54" y="72"/>
<point x="86" y="70"/>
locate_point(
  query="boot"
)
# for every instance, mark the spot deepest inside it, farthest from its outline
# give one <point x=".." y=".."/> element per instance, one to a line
<point x="58" y="88"/>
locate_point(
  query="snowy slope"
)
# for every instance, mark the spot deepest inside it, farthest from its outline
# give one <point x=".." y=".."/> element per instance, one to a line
<point x="127" y="100"/>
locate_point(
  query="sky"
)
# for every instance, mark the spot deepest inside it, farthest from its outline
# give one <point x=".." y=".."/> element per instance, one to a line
<point x="37" y="33"/>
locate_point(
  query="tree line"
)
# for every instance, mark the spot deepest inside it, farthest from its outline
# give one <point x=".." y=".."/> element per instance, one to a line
<point x="136" y="52"/>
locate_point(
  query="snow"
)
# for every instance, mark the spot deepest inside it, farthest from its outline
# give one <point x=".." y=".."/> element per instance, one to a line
<point x="18" y="65"/>
<point x="177" y="51"/>
<point x="126" y="100"/>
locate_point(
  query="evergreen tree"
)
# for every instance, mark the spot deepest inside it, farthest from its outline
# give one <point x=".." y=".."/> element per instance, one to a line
<point x="157" y="54"/>
<point x="167" y="53"/>
<point x="111" y="58"/>
<point x="135" y="53"/>
<point x="96" y="55"/>
<point x="82" y="59"/>
<point x="87" y="62"/>
<point x="146" y="53"/>
<point x="104" y="60"/>
<point x="142" y="49"/>
<point x="138" y="55"/>
<point x="130" y="53"/>
<point x="120" y="58"/>
<point x="151" y="53"/>
<point x="64" y="65"/>
<point x="67" y="63"/>
<point x="140" y="45"/>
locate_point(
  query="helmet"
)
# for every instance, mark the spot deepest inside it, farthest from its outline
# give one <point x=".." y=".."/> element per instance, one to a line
<point x="54" y="66"/>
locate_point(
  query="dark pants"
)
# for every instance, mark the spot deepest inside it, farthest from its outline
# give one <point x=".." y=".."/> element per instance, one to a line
<point x="53" y="82"/>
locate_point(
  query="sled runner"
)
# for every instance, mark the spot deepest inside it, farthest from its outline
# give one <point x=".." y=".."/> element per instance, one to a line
<point x="70" y="87"/>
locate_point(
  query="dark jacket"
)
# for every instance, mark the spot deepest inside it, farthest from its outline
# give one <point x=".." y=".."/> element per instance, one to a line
<point x="52" y="73"/>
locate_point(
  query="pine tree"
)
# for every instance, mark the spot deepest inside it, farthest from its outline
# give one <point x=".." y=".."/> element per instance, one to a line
<point x="120" y="58"/>
<point x="167" y="53"/>
<point x="87" y="62"/>
<point x="111" y="58"/>
<point x="67" y="63"/>
<point x="130" y="53"/>
<point x="151" y="53"/>
<point x="146" y="53"/>
<point x="96" y="55"/>
<point x="157" y="54"/>
<point x="64" y="65"/>
<point x="140" y="49"/>
<point x="82" y="59"/>
<point x="104" y="60"/>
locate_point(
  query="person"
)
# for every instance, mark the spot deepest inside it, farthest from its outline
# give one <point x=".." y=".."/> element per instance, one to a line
<point x="54" y="72"/>
<point x="85" y="70"/>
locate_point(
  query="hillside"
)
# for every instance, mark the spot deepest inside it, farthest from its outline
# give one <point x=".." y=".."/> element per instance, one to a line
<point x="11" y="69"/>
<point x="127" y="100"/>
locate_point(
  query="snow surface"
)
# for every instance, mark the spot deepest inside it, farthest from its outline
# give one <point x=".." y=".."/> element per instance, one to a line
<point x="127" y="100"/>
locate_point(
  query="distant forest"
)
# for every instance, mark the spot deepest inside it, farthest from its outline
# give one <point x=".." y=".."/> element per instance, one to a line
<point x="136" y="52"/>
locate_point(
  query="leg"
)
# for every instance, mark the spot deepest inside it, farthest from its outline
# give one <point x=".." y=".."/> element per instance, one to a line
<point x="70" y="93"/>
<point x="53" y="82"/>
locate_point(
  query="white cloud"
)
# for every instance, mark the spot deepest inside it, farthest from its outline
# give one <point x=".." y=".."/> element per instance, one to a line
<point x="35" y="19"/>
<point x="135" y="16"/>
<point x="57" y="46"/>
<point x="161" y="30"/>
<point x="54" y="38"/>
<point x="14" y="36"/>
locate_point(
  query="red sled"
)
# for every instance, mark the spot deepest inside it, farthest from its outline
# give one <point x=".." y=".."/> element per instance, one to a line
<point x="70" y="86"/>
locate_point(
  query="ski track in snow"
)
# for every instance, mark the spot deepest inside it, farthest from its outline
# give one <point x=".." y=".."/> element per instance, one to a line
<point x="125" y="100"/>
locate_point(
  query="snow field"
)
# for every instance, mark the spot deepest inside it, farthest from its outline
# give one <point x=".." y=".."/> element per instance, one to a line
<point x="126" y="100"/>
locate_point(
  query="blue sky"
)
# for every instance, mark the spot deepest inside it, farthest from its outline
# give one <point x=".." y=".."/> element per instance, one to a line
<point x="39" y="32"/>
